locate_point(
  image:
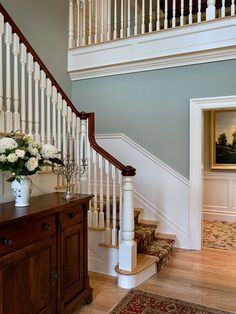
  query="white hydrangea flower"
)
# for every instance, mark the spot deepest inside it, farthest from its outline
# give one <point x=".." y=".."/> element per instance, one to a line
<point x="20" y="153"/>
<point x="38" y="156"/>
<point x="12" y="157"/>
<point x="3" y="158"/>
<point x="33" y="151"/>
<point x="32" y="164"/>
<point x="7" y="143"/>
<point x="28" y="139"/>
<point x="36" y="144"/>
<point x="48" y="151"/>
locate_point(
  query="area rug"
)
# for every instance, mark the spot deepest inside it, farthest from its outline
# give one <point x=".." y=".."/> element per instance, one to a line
<point x="142" y="302"/>
<point x="219" y="235"/>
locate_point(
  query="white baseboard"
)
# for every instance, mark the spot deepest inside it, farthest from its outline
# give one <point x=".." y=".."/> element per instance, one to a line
<point x="219" y="215"/>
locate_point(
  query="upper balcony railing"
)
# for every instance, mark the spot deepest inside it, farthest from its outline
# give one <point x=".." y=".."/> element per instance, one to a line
<point x="97" y="21"/>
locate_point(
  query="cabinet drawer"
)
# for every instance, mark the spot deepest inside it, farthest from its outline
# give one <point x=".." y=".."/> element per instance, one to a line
<point x="71" y="216"/>
<point x="20" y="234"/>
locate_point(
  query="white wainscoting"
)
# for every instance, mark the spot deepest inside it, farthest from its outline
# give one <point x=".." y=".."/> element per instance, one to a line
<point x="160" y="190"/>
<point x="219" y="196"/>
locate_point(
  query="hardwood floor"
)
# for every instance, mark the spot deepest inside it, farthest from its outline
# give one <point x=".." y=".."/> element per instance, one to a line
<point x="207" y="277"/>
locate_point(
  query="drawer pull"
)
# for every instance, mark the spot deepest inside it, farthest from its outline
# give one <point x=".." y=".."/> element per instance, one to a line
<point x="46" y="227"/>
<point x="71" y="215"/>
<point x="7" y="242"/>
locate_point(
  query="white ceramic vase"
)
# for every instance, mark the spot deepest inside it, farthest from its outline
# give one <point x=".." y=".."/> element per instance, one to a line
<point x="21" y="191"/>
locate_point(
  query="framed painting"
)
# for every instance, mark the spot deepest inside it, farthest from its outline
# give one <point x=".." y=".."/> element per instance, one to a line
<point x="223" y="139"/>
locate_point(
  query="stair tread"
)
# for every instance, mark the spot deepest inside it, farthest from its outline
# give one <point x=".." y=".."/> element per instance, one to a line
<point x="143" y="261"/>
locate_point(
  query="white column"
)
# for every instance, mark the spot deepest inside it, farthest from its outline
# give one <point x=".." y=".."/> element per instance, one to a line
<point x="174" y="14"/>
<point x="30" y="68"/>
<point x="42" y="98"/>
<point x="16" y="115"/>
<point x="115" y="20"/>
<point x="101" y="212"/>
<point x="150" y="17"/>
<point x="128" y="18"/>
<point x="71" y="24"/>
<point x="23" y="59"/>
<point x="128" y="247"/>
<point x="54" y="106"/>
<point x="199" y="14"/>
<point x="8" y="42"/>
<point x="108" y="229"/>
<point x="158" y="16"/>
<point x="83" y="155"/>
<point x="48" y="94"/>
<point x="2" y="116"/>
<point x="143" y="17"/>
<point x="211" y="10"/>
<point x="121" y="18"/>
<point x="95" y="199"/>
<point x="36" y="100"/>
<point x="114" y="230"/>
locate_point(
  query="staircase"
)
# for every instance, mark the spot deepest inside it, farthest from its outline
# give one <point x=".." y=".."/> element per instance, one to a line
<point x="33" y="102"/>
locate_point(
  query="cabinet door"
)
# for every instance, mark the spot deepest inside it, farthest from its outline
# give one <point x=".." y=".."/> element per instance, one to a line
<point x="73" y="261"/>
<point x="28" y="280"/>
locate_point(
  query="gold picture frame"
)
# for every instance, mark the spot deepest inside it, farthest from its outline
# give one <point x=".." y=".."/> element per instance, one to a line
<point x="223" y="139"/>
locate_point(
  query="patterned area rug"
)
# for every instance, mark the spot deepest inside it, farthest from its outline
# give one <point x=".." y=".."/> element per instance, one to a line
<point x="219" y="235"/>
<point x="141" y="302"/>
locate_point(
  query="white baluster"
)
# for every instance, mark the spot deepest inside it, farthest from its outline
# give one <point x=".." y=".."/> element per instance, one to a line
<point x="128" y="18"/>
<point x="23" y="60"/>
<point x="120" y="207"/>
<point x="166" y="15"/>
<point x="211" y="10"/>
<point x="121" y="18"/>
<point x="48" y="94"/>
<point x="150" y="17"/>
<point x="136" y="17"/>
<point x="2" y="115"/>
<point x="59" y="109"/>
<point x="108" y="229"/>
<point x="199" y="14"/>
<point x="115" y="20"/>
<point x="54" y="123"/>
<point x="36" y="100"/>
<point x="174" y="14"/>
<point x="102" y="21"/>
<point x="83" y="155"/>
<point x="114" y="230"/>
<point x="232" y="7"/>
<point x="78" y="24"/>
<point x="158" y="16"/>
<point x="143" y="17"/>
<point x="8" y="42"/>
<point x="69" y="120"/>
<point x="16" y="115"/>
<point x="182" y="13"/>
<point x="90" y="23"/>
<point x="190" y="17"/>
<point x="64" y="114"/>
<point x="84" y="25"/>
<point x="101" y="212"/>
<point x="78" y="153"/>
<point x="90" y="211"/>
<point x="73" y="125"/>
<point x="108" y="20"/>
<point x="71" y="24"/>
<point x="128" y="247"/>
<point x="223" y="9"/>
<point x="95" y="199"/>
<point x="96" y="22"/>
<point x="42" y="98"/>
<point x="30" y="68"/>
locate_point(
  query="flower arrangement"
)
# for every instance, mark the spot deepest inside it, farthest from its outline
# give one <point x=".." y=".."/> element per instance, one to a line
<point x="24" y="157"/>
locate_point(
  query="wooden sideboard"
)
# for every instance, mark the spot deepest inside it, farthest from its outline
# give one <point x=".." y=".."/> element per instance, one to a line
<point x="44" y="255"/>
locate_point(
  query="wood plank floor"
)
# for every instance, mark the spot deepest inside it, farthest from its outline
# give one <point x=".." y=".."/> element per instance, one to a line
<point x="207" y="277"/>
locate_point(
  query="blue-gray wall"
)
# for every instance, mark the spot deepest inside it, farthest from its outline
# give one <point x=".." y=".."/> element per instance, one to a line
<point x="152" y="108"/>
<point x="45" y="24"/>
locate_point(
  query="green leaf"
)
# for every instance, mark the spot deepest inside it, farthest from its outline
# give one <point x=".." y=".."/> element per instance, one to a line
<point x="11" y="179"/>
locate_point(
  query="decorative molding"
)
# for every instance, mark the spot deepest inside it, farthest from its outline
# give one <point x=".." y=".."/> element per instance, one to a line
<point x="145" y="153"/>
<point x="197" y="107"/>
<point x="191" y="44"/>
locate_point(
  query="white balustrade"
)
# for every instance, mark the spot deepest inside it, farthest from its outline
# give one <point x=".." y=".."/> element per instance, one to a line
<point x="23" y="60"/>
<point x="114" y="230"/>
<point x="174" y="14"/>
<point x="158" y="16"/>
<point x="90" y="211"/>
<point x="2" y="115"/>
<point x="71" y="24"/>
<point x="120" y="207"/>
<point x="90" y="23"/>
<point x="36" y="100"/>
<point x="199" y="15"/>
<point x="95" y="198"/>
<point x="115" y="20"/>
<point x="101" y="203"/>
<point x="102" y="20"/>
<point x="16" y="114"/>
<point x="150" y="17"/>
<point x="83" y="156"/>
<point x="48" y="95"/>
<point x="30" y="68"/>
<point x="59" y="109"/>
<point x="190" y="17"/>
<point x="121" y="18"/>
<point x="223" y="9"/>
<point x="182" y="13"/>
<point x="42" y="106"/>
<point x="108" y="20"/>
<point x="143" y="17"/>
<point x="128" y="18"/>
<point x="166" y="15"/>
<point x="108" y="229"/>
<point x="54" y="123"/>
<point x="8" y="42"/>
<point x="96" y="22"/>
<point x="232" y="7"/>
<point x="136" y="17"/>
<point x="64" y="114"/>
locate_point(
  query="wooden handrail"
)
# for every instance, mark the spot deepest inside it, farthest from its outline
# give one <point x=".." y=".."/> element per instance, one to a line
<point x="126" y="170"/>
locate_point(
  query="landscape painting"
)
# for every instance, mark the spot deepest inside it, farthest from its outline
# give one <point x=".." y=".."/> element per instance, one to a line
<point x="223" y="139"/>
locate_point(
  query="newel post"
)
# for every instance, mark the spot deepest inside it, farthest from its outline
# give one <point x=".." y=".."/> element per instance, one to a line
<point x="128" y="247"/>
<point x="211" y="10"/>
